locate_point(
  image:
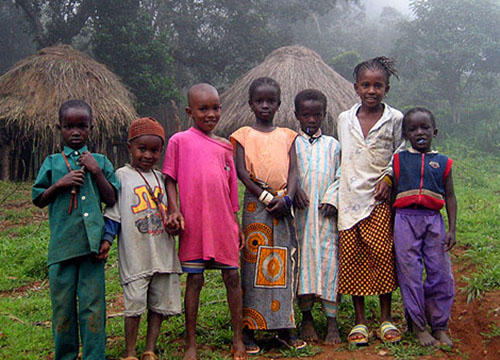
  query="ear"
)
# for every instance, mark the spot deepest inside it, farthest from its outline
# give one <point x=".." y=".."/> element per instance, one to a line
<point x="435" y="132"/>
<point x="279" y="103"/>
<point x="296" y="115"/>
<point x="356" y="87"/>
<point x="387" y="88"/>
<point x="58" y="126"/>
<point x="189" y="112"/>
<point x="250" y="102"/>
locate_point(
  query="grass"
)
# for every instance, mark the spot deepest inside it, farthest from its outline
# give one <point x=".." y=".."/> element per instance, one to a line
<point x="25" y="313"/>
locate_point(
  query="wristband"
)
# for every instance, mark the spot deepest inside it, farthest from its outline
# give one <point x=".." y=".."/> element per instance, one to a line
<point x="288" y="201"/>
<point x="266" y="197"/>
<point x="387" y="180"/>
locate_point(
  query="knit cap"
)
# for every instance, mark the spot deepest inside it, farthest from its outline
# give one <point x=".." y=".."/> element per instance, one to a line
<point x="146" y="126"/>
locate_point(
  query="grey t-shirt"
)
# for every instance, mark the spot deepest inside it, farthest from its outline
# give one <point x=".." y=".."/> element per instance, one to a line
<point x="144" y="247"/>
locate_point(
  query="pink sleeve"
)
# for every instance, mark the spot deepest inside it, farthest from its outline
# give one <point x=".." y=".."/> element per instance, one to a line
<point x="233" y="185"/>
<point x="170" y="164"/>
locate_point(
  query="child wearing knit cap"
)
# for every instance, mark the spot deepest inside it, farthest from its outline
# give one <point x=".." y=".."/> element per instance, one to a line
<point x="148" y="262"/>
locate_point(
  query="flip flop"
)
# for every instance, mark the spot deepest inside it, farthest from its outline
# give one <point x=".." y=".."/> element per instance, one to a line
<point x="149" y="355"/>
<point x="130" y="358"/>
<point x="293" y="342"/>
<point x="384" y="328"/>
<point x="251" y="347"/>
<point x="238" y="357"/>
<point x="359" y="329"/>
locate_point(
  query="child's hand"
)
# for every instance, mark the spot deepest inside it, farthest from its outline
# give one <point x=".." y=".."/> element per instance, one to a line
<point x="241" y="236"/>
<point x="71" y="179"/>
<point x="300" y="200"/>
<point x="175" y="222"/>
<point x="327" y="210"/>
<point x="382" y="191"/>
<point x="277" y="207"/>
<point x="103" y="250"/>
<point x="90" y="163"/>
<point x="450" y="241"/>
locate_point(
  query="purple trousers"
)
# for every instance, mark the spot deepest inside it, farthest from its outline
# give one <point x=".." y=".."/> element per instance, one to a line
<point x="419" y="239"/>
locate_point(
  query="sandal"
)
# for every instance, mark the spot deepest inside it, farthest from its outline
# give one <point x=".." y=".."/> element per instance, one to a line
<point x="149" y="355"/>
<point x="130" y="358"/>
<point x="293" y="342"/>
<point x="382" y="332"/>
<point x="359" y="329"/>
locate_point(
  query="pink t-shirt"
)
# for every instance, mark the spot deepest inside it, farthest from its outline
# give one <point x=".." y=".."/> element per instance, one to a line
<point x="208" y="192"/>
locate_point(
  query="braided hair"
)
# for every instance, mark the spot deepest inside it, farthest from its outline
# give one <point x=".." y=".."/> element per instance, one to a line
<point x="263" y="81"/>
<point x="383" y="63"/>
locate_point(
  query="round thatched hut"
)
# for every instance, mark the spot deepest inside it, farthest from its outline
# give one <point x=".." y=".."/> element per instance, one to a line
<point x="295" y="68"/>
<point x="31" y="93"/>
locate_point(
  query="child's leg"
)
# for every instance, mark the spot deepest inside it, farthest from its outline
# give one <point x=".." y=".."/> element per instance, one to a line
<point x="154" y="325"/>
<point x="131" y="331"/>
<point x="194" y="283"/>
<point x="234" y="299"/>
<point x="330" y="308"/>
<point x="359" y="313"/>
<point x="439" y="287"/>
<point x="163" y="299"/>
<point x="92" y="308"/>
<point x="306" y="303"/>
<point x="63" y="283"/>
<point x="407" y="245"/>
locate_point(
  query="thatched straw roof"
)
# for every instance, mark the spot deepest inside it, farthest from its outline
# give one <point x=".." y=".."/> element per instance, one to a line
<point x="295" y="68"/>
<point x="32" y="91"/>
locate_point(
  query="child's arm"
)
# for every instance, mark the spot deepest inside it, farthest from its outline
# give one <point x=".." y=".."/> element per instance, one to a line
<point x="74" y="178"/>
<point x="111" y="229"/>
<point x="278" y="207"/>
<point x="175" y="219"/>
<point x="106" y="190"/>
<point x="242" y="171"/>
<point x="451" y="210"/>
<point x="383" y="188"/>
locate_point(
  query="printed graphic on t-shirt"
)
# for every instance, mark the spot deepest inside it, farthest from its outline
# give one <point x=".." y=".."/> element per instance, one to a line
<point x="151" y="222"/>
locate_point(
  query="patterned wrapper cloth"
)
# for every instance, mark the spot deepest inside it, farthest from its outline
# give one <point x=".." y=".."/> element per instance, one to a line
<point x="268" y="268"/>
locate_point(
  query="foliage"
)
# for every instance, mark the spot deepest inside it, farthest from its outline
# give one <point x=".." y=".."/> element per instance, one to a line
<point x="54" y="21"/>
<point x="345" y="63"/>
<point x="447" y="46"/>
<point x="14" y="42"/>
<point x="126" y="41"/>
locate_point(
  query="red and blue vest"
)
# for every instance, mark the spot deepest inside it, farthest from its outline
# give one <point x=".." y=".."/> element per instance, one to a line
<point x="420" y="179"/>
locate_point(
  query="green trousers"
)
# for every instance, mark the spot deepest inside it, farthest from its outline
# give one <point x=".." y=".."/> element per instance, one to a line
<point x="78" y="282"/>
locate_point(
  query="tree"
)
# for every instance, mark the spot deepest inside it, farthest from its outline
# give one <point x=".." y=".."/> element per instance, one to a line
<point x="56" y="21"/>
<point x="126" y="41"/>
<point x="14" y="42"/>
<point x="344" y="63"/>
<point x="449" y="45"/>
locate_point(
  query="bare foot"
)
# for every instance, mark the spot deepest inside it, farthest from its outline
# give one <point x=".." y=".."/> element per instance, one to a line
<point x="239" y="350"/>
<point x="442" y="337"/>
<point x="307" y="331"/>
<point x="332" y="335"/>
<point x="424" y="338"/>
<point x="190" y="354"/>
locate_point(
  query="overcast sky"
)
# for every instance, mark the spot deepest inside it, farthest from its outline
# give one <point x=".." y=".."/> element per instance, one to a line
<point x="376" y="6"/>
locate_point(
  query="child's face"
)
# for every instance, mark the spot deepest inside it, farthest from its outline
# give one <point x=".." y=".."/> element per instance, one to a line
<point x="145" y="151"/>
<point x="419" y="130"/>
<point x="371" y="87"/>
<point x="310" y="115"/>
<point x="204" y="109"/>
<point x="265" y="102"/>
<point x="75" y="126"/>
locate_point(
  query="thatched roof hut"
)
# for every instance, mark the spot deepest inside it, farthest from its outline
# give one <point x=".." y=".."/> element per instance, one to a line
<point x="32" y="91"/>
<point x="295" y="68"/>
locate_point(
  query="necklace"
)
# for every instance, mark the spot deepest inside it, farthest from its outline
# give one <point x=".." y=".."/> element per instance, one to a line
<point x="74" y="189"/>
<point x="157" y="199"/>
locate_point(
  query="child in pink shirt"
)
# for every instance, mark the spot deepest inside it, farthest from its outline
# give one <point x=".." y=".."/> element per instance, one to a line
<point x="201" y="166"/>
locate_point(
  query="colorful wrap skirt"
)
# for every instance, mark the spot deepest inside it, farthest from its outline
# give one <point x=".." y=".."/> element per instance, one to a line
<point x="366" y="255"/>
<point x="268" y="268"/>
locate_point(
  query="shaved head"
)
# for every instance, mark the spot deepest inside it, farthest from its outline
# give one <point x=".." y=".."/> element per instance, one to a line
<point x="198" y="89"/>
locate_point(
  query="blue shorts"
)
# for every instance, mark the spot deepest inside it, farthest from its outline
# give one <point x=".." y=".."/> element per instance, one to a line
<point x="198" y="266"/>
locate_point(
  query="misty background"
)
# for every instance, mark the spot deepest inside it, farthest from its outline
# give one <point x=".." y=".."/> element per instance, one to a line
<point x="447" y="51"/>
